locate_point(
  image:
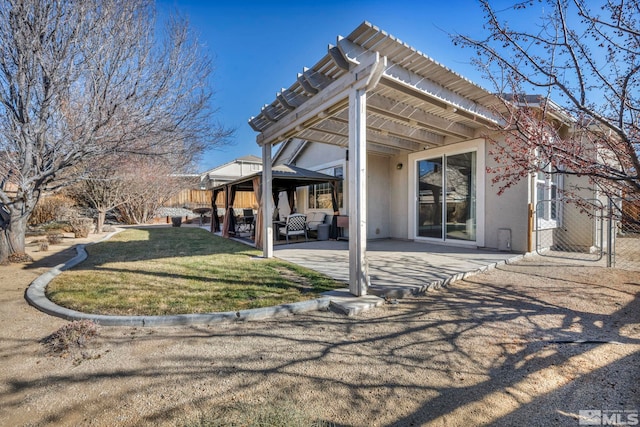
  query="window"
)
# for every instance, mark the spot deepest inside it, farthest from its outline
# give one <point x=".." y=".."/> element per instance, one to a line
<point x="548" y="205"/>
<point x="320" y="194"/>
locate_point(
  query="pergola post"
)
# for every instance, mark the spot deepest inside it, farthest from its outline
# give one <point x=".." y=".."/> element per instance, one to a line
<point x="358" y="269"/>
<point x="267" y="203"/>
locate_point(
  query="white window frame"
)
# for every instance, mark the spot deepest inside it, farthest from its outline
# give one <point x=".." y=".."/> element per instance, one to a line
<point x="545" y="184"/>
<point x="328" y="169"/>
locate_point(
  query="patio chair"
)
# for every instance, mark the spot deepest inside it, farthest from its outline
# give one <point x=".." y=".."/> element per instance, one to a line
<point x="296" y="225"/>
<point x="246" y="220"/>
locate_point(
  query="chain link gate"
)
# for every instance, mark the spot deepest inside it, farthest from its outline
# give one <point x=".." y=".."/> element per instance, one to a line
<point x="625" y="232"/>
<point x="589" y="231"/>
<point x="571" y="229"/>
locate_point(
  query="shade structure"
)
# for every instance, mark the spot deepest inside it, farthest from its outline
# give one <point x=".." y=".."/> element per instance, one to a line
<point x="373" y="94"/>
<point x="284" y="178"/>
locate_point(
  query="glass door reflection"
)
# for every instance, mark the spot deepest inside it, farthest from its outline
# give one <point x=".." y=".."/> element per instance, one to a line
<point x="430" y="198"/>
<point x="461" y="196"/>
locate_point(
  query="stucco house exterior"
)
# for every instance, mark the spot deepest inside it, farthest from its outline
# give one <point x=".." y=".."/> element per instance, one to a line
<point x="242" y="166"/>
<point x="408" y="137"/>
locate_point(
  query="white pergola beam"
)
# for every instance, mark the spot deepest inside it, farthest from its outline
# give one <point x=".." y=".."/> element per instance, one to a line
<point x="405" y="113"/>
<point x="383" y="150"/>
<point x="393" y="141"/>
<point x="324" y="137"/>
<point x="316" y="80"/>
<point x="358" y="269"/>
<point x="399" y="78"/>
<point x="382" y="124"/>
<point x="337" y="91"/>
<point x="338" y="58"/>
<point x="412" y="84"/>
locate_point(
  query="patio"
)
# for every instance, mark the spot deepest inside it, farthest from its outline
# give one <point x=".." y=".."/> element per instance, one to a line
<point x="397" y="268"/>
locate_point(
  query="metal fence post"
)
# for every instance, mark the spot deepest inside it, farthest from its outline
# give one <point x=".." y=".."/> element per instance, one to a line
<point x="610" y="233"/>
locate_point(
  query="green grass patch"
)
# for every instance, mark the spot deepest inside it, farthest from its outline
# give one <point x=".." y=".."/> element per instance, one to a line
<point x="178" y="270"/>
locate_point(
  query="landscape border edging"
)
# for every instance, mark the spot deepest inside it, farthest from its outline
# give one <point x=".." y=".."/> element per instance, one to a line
<point x="36" y="297"/>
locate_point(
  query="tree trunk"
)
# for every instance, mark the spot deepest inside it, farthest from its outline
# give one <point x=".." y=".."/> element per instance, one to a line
<point x="100" y="222"/>
<point x="12" y="239"/>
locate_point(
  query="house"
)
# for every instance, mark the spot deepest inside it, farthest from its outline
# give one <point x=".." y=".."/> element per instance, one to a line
<point x="408" y="136"/>
<point x="230" y="171"/>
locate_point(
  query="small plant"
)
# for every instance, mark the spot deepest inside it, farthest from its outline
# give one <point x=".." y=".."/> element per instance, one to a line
<point x="81" y="227"/>
<point x="73" y="335"/>
<point x="108" y="229"/>
<point x="176" y="221"/>
<point x="44" y="246"/>
<point x="54" y="238"/>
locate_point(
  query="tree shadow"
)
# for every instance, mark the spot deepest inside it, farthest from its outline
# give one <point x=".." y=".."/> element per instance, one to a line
<point x="53" y="260"/>
<point x="448" y="357"/>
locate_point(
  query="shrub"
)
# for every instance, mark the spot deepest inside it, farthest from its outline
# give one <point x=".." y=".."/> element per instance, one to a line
<point x="81" y="227"/>
<point x="176" y="221"/>
<point x="51" y="208"/>
<point x="44" y="246"/>
<point x="54" y="238"/>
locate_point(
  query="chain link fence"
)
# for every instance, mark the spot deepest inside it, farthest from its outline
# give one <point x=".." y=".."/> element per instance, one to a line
<point x="590" y="230"/>
<point x="625" y="224"/>
<point x="571" y="229"/>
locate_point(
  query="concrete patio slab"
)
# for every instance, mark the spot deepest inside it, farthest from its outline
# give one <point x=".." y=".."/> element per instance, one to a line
<point x="397" y="268"/>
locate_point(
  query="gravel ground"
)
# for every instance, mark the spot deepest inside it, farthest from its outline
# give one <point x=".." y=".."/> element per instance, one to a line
<point x="530" y="343"/>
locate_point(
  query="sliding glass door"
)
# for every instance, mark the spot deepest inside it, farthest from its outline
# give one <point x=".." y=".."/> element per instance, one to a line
<point x="430" y="198"/>
<point x="461" y="196"/>
<point x="447" y="197"/>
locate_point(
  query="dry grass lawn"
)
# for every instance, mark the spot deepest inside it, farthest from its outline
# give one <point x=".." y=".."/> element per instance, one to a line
<point x="165" y="270"/>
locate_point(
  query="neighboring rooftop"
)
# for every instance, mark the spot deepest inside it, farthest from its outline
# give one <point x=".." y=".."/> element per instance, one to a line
<point x="242" y="166"/>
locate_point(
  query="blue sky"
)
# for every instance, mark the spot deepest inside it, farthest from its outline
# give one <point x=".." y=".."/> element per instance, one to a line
<point x="258" y="47"/>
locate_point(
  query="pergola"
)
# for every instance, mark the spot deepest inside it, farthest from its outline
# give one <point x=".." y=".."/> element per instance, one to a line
<point x="284" y="178"/>
<point x="371" y="93"/>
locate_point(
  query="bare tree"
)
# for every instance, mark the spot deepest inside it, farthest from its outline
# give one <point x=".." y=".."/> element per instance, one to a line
<point x="134" y="187"/>
<point x="586" y="58"/>
<point x="83" y="79"/>
<point x="149" y="186"/>
<point x="103" y="190"/>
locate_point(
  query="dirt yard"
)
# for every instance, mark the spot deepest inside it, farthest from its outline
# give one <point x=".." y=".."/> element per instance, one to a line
<point x="531" y="343"/>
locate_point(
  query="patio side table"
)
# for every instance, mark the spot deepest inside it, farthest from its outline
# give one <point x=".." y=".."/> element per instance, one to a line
<point x="323" y="231"/>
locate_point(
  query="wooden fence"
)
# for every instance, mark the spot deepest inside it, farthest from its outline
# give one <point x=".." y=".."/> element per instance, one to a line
<point x="191" y="199"/>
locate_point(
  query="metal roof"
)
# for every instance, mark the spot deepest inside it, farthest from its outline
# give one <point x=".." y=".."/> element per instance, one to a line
<point x="417" y="103"/>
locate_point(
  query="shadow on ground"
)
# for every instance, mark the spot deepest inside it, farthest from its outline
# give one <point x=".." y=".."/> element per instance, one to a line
<point x="525" y="344"/>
